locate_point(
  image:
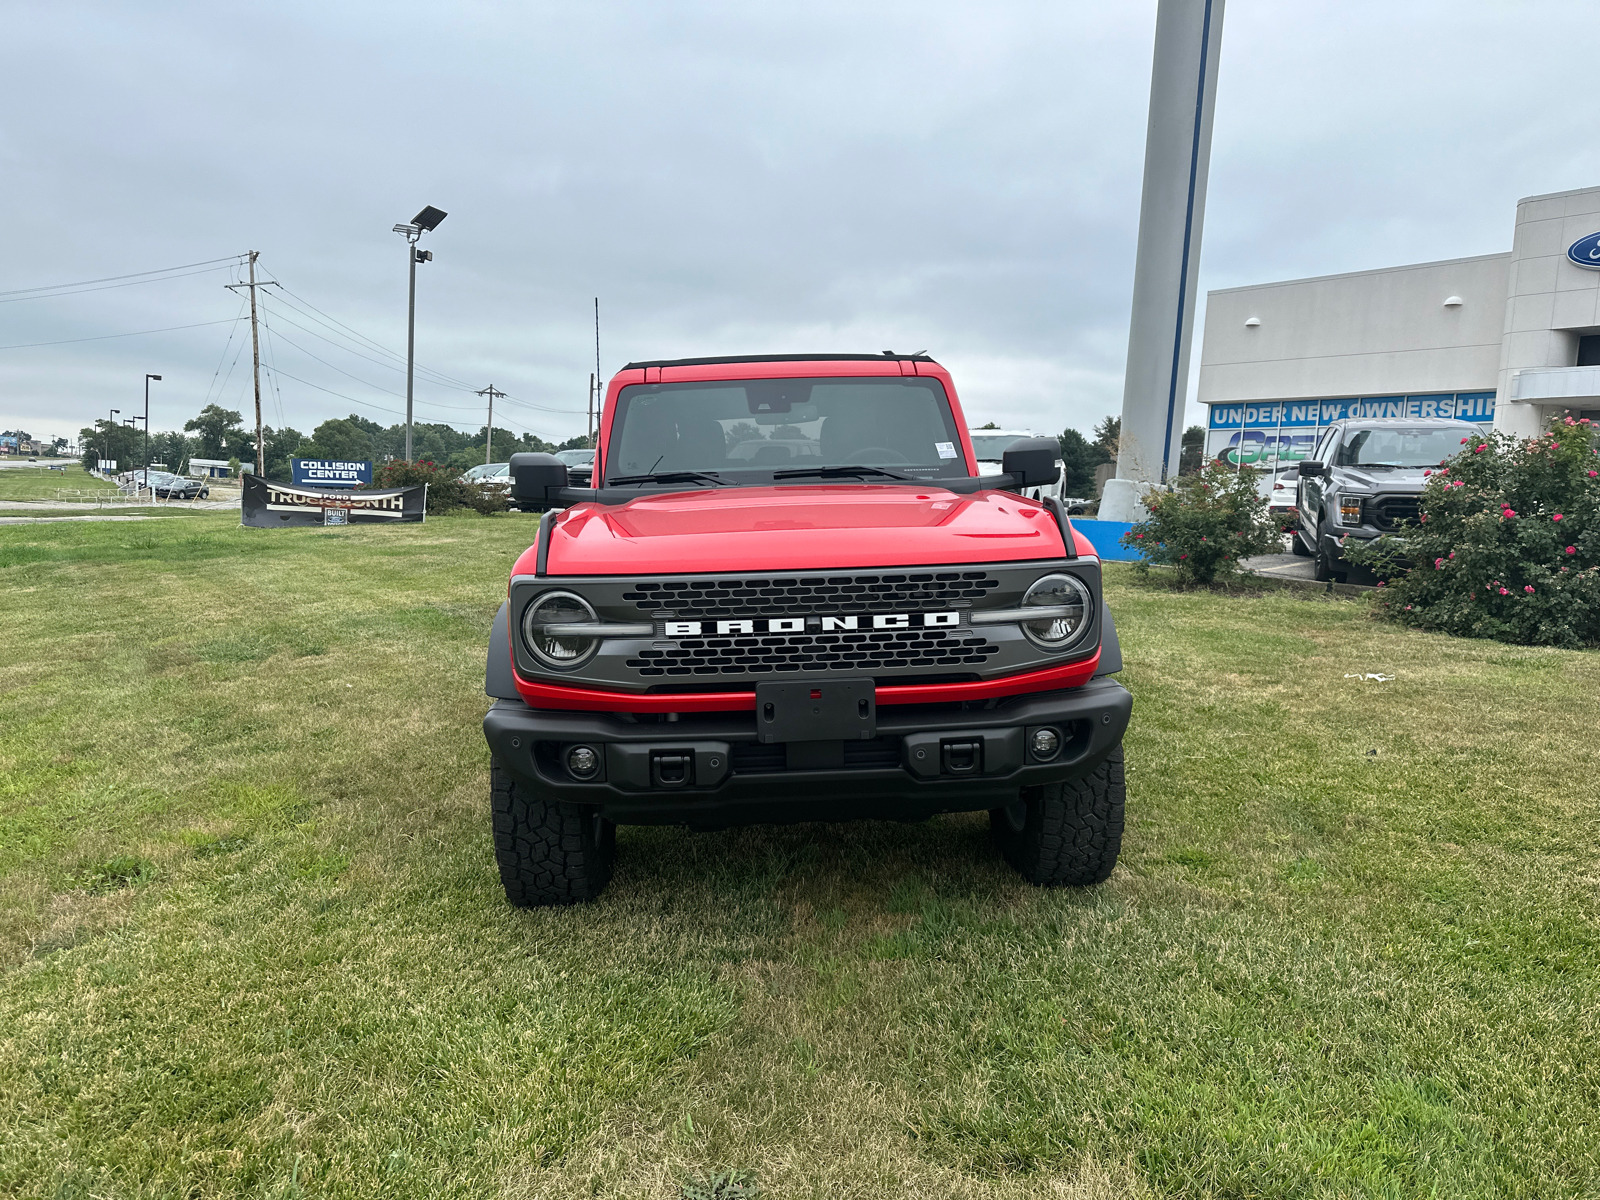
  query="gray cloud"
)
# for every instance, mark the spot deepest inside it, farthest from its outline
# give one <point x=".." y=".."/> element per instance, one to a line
<point x="727" y="178"/>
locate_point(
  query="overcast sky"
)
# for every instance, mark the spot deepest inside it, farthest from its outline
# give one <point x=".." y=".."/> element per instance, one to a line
<point x="727" y="178"/>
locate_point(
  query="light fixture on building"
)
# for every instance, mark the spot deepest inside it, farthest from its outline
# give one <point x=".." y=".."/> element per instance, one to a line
<point x="1452" y="301"/>
<point x="1251" y="322"/>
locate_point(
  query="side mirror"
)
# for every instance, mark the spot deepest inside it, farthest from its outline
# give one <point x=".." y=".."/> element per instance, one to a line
<point x="532" y="477"/>
<point x="1031" y="462"/>
<point x="1310" y="469"/>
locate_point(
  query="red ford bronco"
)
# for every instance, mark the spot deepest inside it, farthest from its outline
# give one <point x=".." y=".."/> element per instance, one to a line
<point x="788" y="595"/>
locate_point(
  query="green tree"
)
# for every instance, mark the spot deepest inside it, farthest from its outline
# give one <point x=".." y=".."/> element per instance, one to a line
<point x="1078" y="461"/>
<point x="108" y="439"/>
<point x="218" y="431"/>
<point x="170" y="447"/>
<point x="1194" y="444"/>
<point x="744" y="431"/>
<point x="341" y="438"/>
<point x="1107" y="437"/>
<point x="282" y="445"/>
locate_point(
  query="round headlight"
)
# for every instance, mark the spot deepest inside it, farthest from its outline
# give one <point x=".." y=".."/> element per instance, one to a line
<point x="558" y="608"/>
<point x="1074" y="610"/>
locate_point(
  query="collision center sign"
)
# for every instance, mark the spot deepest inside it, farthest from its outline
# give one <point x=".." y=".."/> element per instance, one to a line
<point x="327" y="472"/>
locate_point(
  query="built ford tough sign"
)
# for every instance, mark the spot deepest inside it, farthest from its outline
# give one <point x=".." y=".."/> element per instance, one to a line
<point x="790" y="596"/>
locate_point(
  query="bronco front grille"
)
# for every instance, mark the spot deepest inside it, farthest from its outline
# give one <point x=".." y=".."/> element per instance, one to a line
<point x="865" y="652"/>
<point x="1391" y="512"/>
<point x="817" y="594"/>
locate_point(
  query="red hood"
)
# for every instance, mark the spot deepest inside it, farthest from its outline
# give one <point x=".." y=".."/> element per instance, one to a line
<point x="799" y="528"/>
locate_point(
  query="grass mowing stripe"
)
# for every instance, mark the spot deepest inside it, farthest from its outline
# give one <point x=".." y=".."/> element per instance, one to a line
<point x="255" y="944"/>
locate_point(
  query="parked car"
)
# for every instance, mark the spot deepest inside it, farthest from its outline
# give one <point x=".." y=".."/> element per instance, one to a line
<point x="494" y="474"/>
<point x="881" y="630"/>
<point x="168" y="486"/>
<point x="580" y="465"/>
<point x="1365" y="479"/>
<point x="990" y="445"/>
<point x="1278" y="489"/>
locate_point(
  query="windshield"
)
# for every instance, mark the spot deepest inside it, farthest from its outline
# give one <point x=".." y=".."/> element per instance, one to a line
<point x="1401" y="447"/>
<point x="489" y="471"/>
<point x="744" y="430"/>
<point x="991" y="447"/>
<point x="576" y="458"/>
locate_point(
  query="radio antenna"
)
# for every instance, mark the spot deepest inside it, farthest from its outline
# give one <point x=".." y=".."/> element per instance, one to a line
<point x="597" y="375"/>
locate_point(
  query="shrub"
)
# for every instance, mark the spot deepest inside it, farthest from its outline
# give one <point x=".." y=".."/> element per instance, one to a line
<point x="1508" y="546"/>
<point x="446" y="490"/>
<point x="1204" y="523"/>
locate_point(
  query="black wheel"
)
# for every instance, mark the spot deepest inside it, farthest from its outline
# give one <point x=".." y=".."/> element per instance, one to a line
<point x="1065" y="833"/>
<point x="1297" y="543"/>
<point x="1324" y="570"/>
<point x="549" y="853"/>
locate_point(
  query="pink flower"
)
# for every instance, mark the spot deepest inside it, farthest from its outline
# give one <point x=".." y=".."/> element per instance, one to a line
<point x="1482" y="446"/>
<point x="1572" y="549"/>
<point x="1425" y="474"/>
<point x="1463" y="441"/>
<point x="1555" y="445"/>
<point x="1408" y="608"/>
<point x="1380" y="583"/>
<point x="1570" y="421"/>
<point x="1509" y="512"/>
<point x="1528" y="587"/>
<point x="1503" y="592"/>
<point x="1437" y="563"/>
<point x="1592" y="474"/>
<point x="1557" y="517"/>
<point x="1138" y="535"/>
<point x="1182" y="556"/>
<point x="1452" y="554"/>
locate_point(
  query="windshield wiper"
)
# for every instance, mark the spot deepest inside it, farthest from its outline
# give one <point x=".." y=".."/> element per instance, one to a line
<point x="670" y="477"/>
<point x="826" y="472"/>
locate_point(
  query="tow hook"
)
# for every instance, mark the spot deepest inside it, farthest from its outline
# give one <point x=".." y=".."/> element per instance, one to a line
<point x="961" y="758"/>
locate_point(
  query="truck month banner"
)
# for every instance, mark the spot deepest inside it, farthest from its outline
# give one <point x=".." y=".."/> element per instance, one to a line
<point x="1272" y="435"/>
<point x="268" y="505"/>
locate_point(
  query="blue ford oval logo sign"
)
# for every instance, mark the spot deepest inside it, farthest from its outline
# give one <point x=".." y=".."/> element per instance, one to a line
<point x="1586" y="251"/>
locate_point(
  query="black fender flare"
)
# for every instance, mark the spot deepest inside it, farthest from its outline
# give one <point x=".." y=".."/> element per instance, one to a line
<point x="1110" y="648"/>
<point x="497" y="678"/>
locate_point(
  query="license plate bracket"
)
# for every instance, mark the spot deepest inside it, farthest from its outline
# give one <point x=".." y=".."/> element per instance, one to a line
<point x="817" y="710"/>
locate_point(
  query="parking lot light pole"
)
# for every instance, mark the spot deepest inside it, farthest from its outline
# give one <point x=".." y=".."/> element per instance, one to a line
<point x="110" y="425"/>
<point x="147" y="380"/>
<point x="425" y="221"/>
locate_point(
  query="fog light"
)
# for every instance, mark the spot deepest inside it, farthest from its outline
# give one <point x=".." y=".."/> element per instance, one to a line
<point x="1045" y="743"/>
<point x="582" y="761"/>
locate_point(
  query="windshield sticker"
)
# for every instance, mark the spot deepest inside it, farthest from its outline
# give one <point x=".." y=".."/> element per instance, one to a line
<point x="945" y="449"/>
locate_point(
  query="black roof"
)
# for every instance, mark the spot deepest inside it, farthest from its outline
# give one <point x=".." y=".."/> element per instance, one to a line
<point x="756" y="358"/>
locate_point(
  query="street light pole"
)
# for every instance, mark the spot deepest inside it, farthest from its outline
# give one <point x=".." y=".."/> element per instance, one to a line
<point x="110" y="425"/>
<point x="425" y="221"/>
<point x="147" y="380"/>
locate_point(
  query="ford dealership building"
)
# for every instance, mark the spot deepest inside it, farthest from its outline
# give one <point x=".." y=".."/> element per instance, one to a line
<point x="1500" y="339"/>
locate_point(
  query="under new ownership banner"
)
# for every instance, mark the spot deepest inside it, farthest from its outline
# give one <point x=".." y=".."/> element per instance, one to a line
<point x="269" y="505"/>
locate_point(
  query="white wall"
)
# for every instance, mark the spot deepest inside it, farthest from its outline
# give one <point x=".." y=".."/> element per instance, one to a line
<point x="1362" y="334"/>
<point x="1550" y="302"/>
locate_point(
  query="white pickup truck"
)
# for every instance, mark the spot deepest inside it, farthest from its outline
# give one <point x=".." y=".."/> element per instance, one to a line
<point x="990" y="446"/>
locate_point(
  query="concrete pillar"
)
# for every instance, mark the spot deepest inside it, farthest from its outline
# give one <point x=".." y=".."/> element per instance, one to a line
<point x="1177" y="156"/>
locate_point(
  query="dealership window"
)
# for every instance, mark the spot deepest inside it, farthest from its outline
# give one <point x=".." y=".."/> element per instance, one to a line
<point x="1589" y="350"/>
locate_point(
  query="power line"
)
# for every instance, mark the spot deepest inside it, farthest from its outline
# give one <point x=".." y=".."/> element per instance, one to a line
<point x="109" y="286"/>
<point x="105" y="336"/>
<point x="113" y="278"/>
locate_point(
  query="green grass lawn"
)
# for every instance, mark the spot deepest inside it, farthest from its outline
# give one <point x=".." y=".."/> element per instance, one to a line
<point x="38" y="483"/>
<point x="252" y="942"/>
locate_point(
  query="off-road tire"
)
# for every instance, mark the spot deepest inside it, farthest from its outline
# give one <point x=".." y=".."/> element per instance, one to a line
<point x="1323" y="568"/>
<point x="549" y="853"/>
<point x="1069" y="833"/>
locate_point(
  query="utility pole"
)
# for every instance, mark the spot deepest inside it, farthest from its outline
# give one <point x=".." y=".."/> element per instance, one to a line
<point x="488" y="437"/>
<point x="255" y="348"/>
<point x="147" y="380"/>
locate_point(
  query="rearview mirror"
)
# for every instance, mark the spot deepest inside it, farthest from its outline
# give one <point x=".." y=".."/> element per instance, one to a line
<point x="1031" y="462"/>
<point x="533" y="476"/>
<point x="1310" y="469"/>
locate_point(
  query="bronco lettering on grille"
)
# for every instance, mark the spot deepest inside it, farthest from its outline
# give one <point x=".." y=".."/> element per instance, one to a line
<point x="750" y="625"/>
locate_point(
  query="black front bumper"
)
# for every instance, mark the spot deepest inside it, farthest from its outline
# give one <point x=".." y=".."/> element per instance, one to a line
<point x="711" y="769"/>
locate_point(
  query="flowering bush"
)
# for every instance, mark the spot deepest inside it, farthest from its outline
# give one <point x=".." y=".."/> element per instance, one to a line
<point x="1205" y="524"/>
<point x="1509" y="542"/>
<point x="445" y="488"/>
